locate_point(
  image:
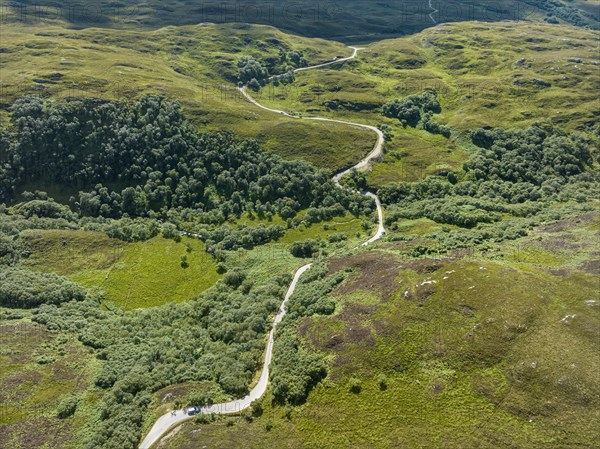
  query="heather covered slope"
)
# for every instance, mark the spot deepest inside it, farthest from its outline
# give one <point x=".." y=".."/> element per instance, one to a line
<point x="480" y="349"/>
<point x="351" y="20"/>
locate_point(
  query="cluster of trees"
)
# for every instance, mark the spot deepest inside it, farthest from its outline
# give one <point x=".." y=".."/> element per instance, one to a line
<point x="24" y="289"/>
<point x="515" y="172"/>
<point x="417" y="109"/>
<point x="12" y="224"/>
<point x="557" y="9"/>
<point x="430" y="125"/>
<point x="534" y="155"/>
<point x="256" y="74"/>
<point x="216" y="337"/>
<point x="226" y="239"/>
<point x="44" y="208"/>
<point x="295" y="371"/>
<point x="252" y="72"/>
<point x="305" y="249"/>
<point x="356" y="180"/>
<point x="294" y="58"/>
<point x="440" y="242"/>
<point x="11" y="249"/>
<point x="287" y="78"/>
<point x="144" y="160"/>
<point x="453" y="210"/>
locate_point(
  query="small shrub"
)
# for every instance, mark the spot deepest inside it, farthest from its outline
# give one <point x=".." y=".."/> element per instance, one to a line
<point x="184" y="261"/>
<point x="257" y="408"/>
<point x="44" y="359"/>
<point x="247" y="415"/>
<point x="382" y="381"/>
<point x="355" y="385"/>
<point x="67" y="407"/>
<point x="204" y="418"/>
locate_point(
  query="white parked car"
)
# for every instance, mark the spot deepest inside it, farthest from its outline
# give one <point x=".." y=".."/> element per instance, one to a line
<point x="193" y="411"/>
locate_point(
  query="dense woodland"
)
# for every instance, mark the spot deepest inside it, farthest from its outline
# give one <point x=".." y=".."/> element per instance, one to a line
<point x="144" y="159"/>
<point x="516" y="179"/>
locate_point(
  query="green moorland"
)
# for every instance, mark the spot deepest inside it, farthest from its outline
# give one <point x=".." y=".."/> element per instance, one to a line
<point x="507" y="75"/>
<point x="351" y="20"/>
<point x="491" y="349"/>
<point x="196" y="65"/>
<point x="41" y="372"/>
<point x="474" y="323"/>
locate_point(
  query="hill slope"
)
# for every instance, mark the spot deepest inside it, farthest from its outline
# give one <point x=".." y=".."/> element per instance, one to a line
<point x="350" y="20"/>
<point x="196" y="65"/>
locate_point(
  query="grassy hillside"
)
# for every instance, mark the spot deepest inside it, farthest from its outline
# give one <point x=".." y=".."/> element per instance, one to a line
<point x="352" y="20"/>
<point x="508" y="74"/>
<point x="492" y="344"/>
<point x="486" y="350"/>
<point x="486" y="75"/>
<point x="195" y="65"/>
<point x="133" y="275"/>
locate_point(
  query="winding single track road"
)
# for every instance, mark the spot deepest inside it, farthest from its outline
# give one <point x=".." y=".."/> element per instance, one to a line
<point x="434" y="11"/>
<point x="171" y="419"/>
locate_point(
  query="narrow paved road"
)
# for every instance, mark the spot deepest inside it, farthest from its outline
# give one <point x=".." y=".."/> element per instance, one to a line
<point x="170" y="420"/>
<point x="434" y="11"/>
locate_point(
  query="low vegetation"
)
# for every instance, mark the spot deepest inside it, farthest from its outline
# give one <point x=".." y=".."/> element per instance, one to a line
<point x="491" y="348"/>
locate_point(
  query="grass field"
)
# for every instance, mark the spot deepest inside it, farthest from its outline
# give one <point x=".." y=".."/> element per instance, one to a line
<point x="474" y="353"/>
<point x="133" y="275"/>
